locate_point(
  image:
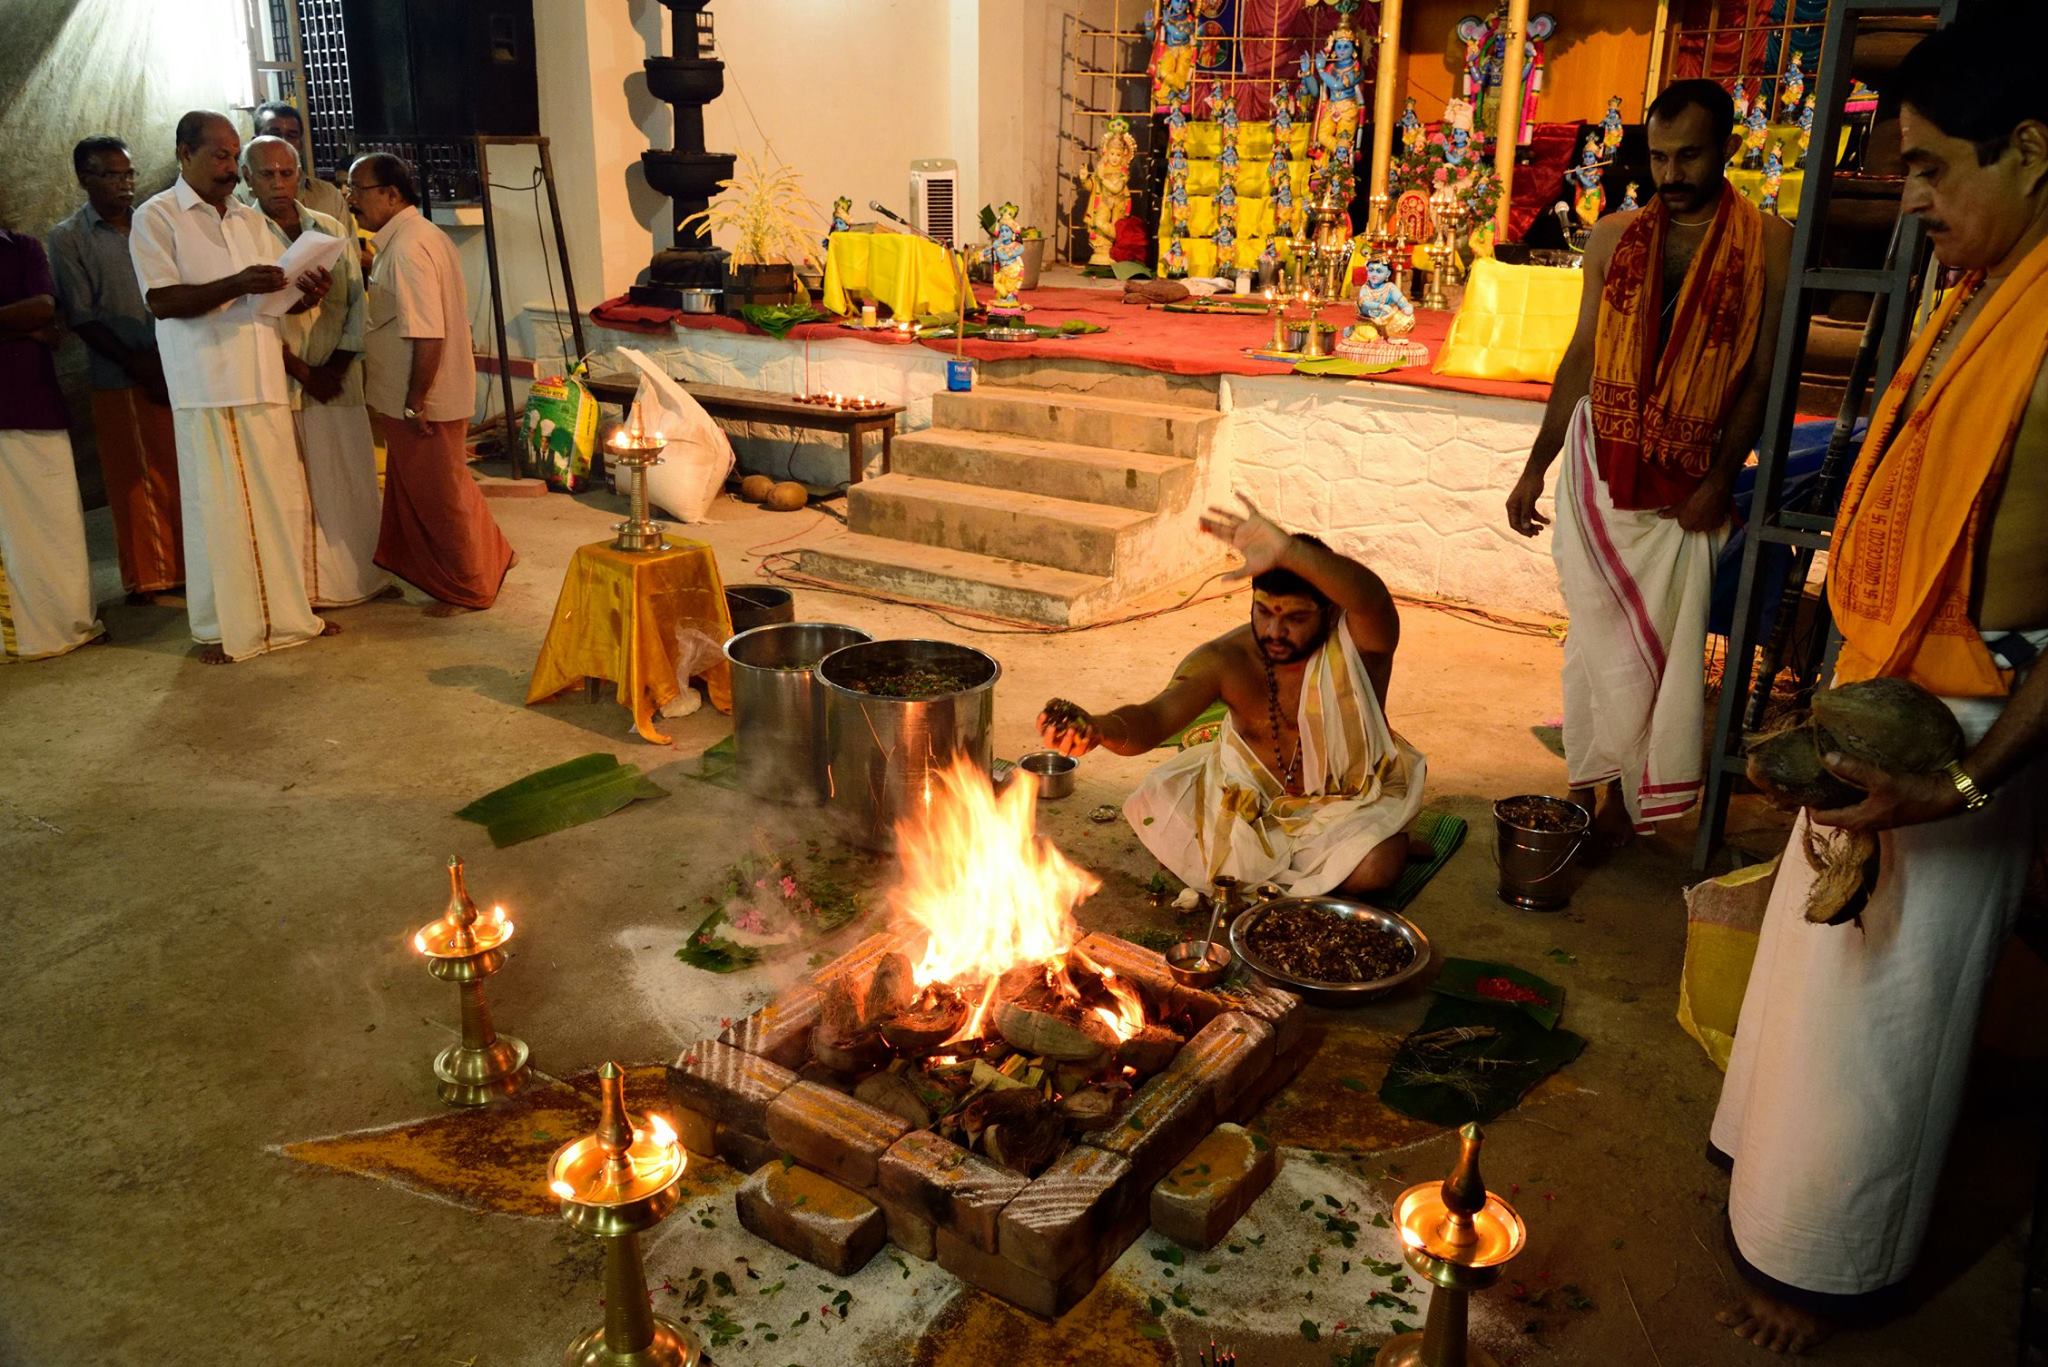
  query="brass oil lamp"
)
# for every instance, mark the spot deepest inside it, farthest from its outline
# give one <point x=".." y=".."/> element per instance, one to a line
<point x="614" y="1183"/>
<point x="636" y="449"/>
<point x="1458" y="1235"/>
<point x="466" y="947"/>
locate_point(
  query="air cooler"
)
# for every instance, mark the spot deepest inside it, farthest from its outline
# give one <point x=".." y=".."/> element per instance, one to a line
<point x="934" y="185"/>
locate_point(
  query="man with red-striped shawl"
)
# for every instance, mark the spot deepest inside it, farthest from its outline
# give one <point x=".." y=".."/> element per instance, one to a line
<point x="1656" y="405"/>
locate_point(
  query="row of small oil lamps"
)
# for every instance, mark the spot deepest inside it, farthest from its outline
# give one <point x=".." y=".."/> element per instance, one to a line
<point x="624" y="1178"/>
<point x="845" y="403"/>
<point x="619" y="1180"/>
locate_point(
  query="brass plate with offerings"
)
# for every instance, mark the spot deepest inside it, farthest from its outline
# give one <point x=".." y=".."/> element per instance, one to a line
<point x="1302" y="943"/>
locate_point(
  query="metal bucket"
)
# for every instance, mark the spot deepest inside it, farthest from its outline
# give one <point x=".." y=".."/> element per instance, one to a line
<point x="758" y="605"/>
<point x="1533" y="864"/>
<point x="777" y="710"/>
<point x="882" y="754"/>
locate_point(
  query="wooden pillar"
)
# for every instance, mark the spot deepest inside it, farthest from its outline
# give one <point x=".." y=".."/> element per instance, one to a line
<point x="1659" y="35"/>
<point x="1508" y="122"/>
<point x="1386" y="57"/>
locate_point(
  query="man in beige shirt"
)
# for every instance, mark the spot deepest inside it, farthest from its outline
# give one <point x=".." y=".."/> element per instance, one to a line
<point x="437" y="532"/>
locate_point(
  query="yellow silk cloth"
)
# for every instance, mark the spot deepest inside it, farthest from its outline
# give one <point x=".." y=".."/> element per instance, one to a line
<point x="912" y="275"/>
<point x="617" y="619"/>
<point x="1905" y="536"/>
<point x="1515" y="323"/>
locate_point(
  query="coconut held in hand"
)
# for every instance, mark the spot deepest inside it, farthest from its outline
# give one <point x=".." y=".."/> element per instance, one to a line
<point x="1895" y="725"/>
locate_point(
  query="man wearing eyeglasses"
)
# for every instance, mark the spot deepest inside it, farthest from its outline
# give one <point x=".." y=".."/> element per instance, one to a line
<point x="131" y="411"/>
<point x="202" y="258"/>
<point x="322" y="357"/>
<point x="437" y="532"/>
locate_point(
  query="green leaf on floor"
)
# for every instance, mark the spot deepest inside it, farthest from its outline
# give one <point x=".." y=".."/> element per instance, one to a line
<point x="712" y="952"/>
<point x="555" y="799"/>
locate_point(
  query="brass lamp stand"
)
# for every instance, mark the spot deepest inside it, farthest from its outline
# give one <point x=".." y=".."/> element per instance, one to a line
<point x="614" y="1183"/>
<point x="465" y="948"/>
<point x="1459" y="1236"/>
<point x="636" y="450"/>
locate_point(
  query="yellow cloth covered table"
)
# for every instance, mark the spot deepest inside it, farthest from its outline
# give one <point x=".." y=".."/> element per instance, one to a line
<point x="1514" y="324"/>
<point x="617" y="619"/>
<point x="912" y="275"/>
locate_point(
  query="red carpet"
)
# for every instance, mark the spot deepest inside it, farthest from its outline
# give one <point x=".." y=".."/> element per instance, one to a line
<point x="1151" y="339"/>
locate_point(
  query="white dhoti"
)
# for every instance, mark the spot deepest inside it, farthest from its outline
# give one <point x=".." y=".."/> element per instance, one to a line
<point x="1216" y="808"/>
<point x="1852" y="1046"/>
<point x="346" y="507"/>
<point x="46" y="603"/>
<point x="244" y="496"/>
<point x="1636" y="586"/>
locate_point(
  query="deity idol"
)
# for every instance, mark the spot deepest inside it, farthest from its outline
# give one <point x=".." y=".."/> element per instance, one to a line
<point x="1337" y="111"/>
<point x="1173" y="53"/>
<point x="1413" y="135"/>
<point x="1177" y="127"/>
<point x="1006" y="254"/>
<point x="1610" y="128"/>
<point x="1283" y="115"/>
<point x="1805" y="128"/>
<point x="1457" y="143"/>
<point x="1754" y="129"/>
<point x="1486" y="45"/>
<point x="1774" y="175"/>
<point x="1381" y="303"/>
<point x="1109" y="188"/>
<point x="841" y="207"/>
<point x="1628" y="198"/>
<point x="1792" y="88"/>
<point x="1176" y="260"/>
<point x="1226" y="120"/>
<point x="1592" y="196"/>
<point x="1280" y="181"/>
<point x="1269" y="258"/>
<point x="1306" y="84"/>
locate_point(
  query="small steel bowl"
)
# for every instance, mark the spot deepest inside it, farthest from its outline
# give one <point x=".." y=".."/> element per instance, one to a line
<point x="1196" y="963"/>
<point x="1054" y="771"/>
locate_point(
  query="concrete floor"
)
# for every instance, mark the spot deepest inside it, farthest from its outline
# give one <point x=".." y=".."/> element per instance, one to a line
<point x="212" y="875"/>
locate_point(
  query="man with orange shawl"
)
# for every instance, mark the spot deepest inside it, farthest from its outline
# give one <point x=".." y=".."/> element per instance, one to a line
<point x="1655" y="407"/>
<point x="1853" y="1043"/>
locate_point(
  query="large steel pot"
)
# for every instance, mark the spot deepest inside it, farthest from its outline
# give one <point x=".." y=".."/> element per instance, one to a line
<point x="777" y="709"/>
<point x="882" y="755"/>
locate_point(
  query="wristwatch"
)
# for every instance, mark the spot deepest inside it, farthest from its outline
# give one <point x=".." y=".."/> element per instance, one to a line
<point x="1973" y="796"/>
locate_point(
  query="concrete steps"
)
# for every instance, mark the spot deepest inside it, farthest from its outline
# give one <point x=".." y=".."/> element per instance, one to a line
<point x="1086" y="474"/>
<point x="981" y="583"/>
<point x="1062" y="533"/>
<point x="1056" y="493"/>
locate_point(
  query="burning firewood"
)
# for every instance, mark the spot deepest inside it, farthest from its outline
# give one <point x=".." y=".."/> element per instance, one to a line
<point x="1028" y="1142"/>
<point x="842" y="1040"/>
<point x="921" y="1027"/>
<point x="1151" y="1049"/>
<point x="1031" y="1031"/>
<point x="895" y="1095"/>
<point x="890" y="990"/>
<point x="1093" y="1108"/>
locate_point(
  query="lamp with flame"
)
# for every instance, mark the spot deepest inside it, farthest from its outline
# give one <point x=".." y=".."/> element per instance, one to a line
<point x="1458" y="1235"/>
<point x="618" y="1180"/>
<point x="464" y="947"/>
<point x="635" y="448"/>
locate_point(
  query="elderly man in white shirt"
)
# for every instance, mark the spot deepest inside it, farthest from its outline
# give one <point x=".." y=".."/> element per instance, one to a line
<point x="323" y="358"/>
<point x="202" y="257"/>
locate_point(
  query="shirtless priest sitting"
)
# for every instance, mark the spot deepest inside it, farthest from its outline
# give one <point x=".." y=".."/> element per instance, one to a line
<point x="1304" y="786"/>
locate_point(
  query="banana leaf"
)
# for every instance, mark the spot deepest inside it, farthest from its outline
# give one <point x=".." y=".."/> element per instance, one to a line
<point x="557" y="798"/>
<point x="1343" y="367"/>
<point x="1517" y="989"/>
<point x="1472" y="1060"/>
<point x="778" y="319"/>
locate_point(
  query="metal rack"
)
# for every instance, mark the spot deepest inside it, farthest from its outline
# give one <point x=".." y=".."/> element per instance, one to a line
<point x="1744" y="687"/>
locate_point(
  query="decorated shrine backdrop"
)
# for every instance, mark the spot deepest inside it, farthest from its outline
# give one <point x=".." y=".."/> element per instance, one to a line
<point x="1255" y="209"/>
<point x="1749" y="39"/>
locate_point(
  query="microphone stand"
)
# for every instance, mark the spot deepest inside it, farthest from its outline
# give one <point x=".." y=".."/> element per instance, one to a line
<point x="957" y="260"/>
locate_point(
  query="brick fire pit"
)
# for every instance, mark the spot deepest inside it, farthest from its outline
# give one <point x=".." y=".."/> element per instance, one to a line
<point x="834" y="1178"/>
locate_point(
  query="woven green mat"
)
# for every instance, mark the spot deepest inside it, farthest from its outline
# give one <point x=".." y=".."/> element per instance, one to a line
<point x="1440" y="834"/>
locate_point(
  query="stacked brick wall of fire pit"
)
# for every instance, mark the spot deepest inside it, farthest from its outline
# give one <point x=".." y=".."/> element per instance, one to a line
<point x="831" y="1173"/>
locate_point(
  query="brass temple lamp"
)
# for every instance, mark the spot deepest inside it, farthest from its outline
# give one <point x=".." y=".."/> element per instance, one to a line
<point x="1458" y="1235"/>
<point x="466" y="947"/>
<point x="636" y="449"/>
<point x="614" y="1183"/>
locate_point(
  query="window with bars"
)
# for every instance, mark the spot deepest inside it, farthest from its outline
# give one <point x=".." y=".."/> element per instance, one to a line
<point x="330" y="113"/>
<point x="1748" y="40"/>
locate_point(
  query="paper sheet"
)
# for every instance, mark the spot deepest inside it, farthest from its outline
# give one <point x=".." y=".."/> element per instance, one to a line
<point x="310" y="251"/>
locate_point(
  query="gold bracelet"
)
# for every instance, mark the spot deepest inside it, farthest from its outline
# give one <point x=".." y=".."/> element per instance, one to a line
<point x="1973" y="796"/>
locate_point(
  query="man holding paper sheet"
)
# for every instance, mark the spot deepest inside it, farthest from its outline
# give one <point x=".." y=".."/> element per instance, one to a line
<point x="323" y="358"/>
<point x="205" y="264"/>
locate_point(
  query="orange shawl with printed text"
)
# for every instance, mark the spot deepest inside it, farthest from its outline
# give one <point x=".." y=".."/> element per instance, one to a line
<point x="1658" y="416"/>
<point x="1904" y="547"/>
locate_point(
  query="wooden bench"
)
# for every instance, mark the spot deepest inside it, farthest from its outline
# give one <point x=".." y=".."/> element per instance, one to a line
<point x="727" y="404"/>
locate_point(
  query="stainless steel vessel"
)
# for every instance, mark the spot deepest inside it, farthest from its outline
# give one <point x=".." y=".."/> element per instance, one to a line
<point x="883" y="754"/>
<point x="778" y="717"/>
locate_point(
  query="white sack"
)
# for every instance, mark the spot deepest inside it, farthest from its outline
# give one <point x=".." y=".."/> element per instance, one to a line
<point x="698" y="458"/>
